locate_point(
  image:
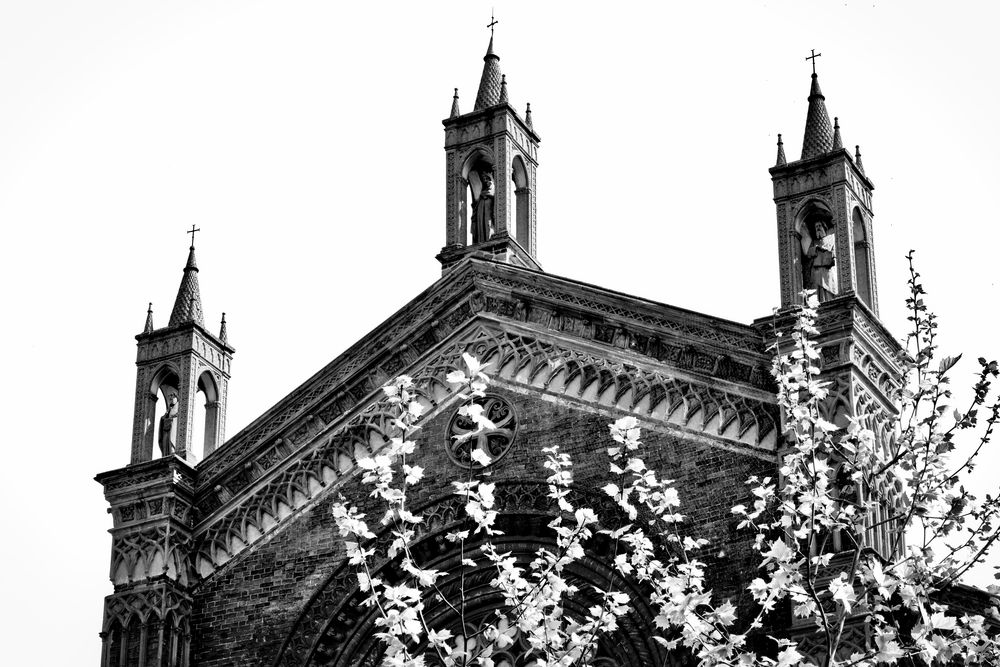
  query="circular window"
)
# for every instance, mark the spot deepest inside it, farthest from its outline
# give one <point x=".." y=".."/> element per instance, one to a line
<point x="494" y="442"/>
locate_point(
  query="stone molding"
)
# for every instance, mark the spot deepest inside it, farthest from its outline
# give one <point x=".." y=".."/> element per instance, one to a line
<point x="327" y="452"/>
<point x="563" y="305"/>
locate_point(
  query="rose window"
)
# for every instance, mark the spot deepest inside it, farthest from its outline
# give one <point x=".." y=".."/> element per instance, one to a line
<point x="495" y="442"/>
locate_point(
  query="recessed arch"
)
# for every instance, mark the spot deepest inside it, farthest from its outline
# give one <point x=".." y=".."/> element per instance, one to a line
<point x="336" y="628"/>
<point x="816" y="232"/>
<point x="162" y="398"/>
<point x="522" y="202"/>
<point x="862" y="259"/>
<point x="478" y="218"/>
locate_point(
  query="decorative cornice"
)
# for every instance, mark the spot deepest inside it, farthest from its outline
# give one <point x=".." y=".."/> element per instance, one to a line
<point x="663" y="332"/>
<point x="243" y="509"/>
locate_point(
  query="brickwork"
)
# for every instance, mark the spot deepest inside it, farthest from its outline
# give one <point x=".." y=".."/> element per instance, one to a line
<point x="278" y="589"/>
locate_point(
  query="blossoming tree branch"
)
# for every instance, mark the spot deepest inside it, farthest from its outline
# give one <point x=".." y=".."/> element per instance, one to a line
<point x="810" y="525"/>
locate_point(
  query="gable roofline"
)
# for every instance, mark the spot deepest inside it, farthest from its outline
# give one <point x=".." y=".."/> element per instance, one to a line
<point x="564" y="296"/>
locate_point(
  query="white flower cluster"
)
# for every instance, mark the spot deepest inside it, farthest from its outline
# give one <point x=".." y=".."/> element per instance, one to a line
<point x="812" y="528"/>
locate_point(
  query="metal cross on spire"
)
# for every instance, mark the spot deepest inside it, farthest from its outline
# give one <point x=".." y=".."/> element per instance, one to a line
<point x="492" y="23"/>
<point x="813" y="58"/>
<point x="191" y="232"/>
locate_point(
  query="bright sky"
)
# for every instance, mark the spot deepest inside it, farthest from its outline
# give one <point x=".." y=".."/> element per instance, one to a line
<point x="305" y="140"/>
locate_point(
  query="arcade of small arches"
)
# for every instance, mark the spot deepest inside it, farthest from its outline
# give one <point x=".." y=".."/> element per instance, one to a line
<point x="146" y="639"/>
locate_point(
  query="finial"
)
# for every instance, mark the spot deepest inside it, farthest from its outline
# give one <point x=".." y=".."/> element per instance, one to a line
<point x="813" y="58"/>
<point x="149" y="320"/>
<point x="503" y="89"/>
<point x="223" y="334"/>
<point x="838" y="143"/>
<point x="492" y="23"/>
<point x="191" y="232"/>
<point x="781" y="161"/>
<point x="455" y="113"/>
<point x="818" y="138"/>
<point x="857" y="160"/>
<point x="187" y="305"/>
<point x="527" y="117"/>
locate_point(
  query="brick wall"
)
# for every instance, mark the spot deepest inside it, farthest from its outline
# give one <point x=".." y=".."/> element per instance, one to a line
<point x="246" y="610"/>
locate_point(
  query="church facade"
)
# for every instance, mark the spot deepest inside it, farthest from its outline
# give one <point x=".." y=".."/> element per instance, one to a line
<point x="234" y="559"/>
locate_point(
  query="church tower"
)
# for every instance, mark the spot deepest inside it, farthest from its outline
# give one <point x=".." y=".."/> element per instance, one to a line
<point x="824" y="211"/>
<point x="147" y="617"/>
<point x="175" y="364"/>
<point x="824" y="207"/>
<point x="491" y="166"/>
<point x="824" y="215"/>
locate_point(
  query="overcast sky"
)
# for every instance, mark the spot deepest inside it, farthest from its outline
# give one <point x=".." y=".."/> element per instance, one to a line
<point x="304" y="139"/>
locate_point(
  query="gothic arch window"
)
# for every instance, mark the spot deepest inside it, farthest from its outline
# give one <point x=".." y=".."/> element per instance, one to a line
<point x="522" y="202"/>
<point x="114" y="638"/>
<point x="477" y="216"/>
<point x="862" y="259"/>
<point x="152" y="629"/>
<point x="163" y="410"/>
<point x="133" y="642"/>
<point x="816" y="234"/>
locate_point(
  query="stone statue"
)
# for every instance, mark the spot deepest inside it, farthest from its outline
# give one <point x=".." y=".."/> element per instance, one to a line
<point x="819" y="262"/>
<point x="483" y="211"/>
<point x="168" y="427"/>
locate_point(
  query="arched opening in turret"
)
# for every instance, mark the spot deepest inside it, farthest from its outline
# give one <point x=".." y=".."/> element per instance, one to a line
<point x="133" y="641"/>
<point x="818" y="249"/>
<point x="114" y="639"/>
<point x="206" y="416"/>
<point x="478" y="209"/>
<point x="862" y="259"/>
<point x="164" y="411"/>
<point x="522" y="202"/>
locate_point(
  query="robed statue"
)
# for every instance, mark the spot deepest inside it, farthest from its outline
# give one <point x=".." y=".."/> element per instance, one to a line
<point x="819" y="261"/>
<point x="168" y="427"/>
<point x="484" y="209"/>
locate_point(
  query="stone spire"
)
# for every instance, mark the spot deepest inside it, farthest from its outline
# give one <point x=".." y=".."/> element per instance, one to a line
<point x="781" y="161"/>
<point x="503" y="89"/>
<point x="187" y="305"/>
<point x="838" y="143"/>
<point x="857" y="160"/>
<point x="491" y="83"/>
<point x="455" y="113"/>
<point x="223" y="333"/>
<point x="527" y="117"/>
<point x="818" y="139"/>
<point x="149" y="320"/>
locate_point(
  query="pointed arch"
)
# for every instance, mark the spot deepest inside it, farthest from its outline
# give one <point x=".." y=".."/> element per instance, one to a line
<point x="522" y="202"/>
<point x="862" y="260"/>
<point x="209" y="387"/>
<point x="816" y="232"/>
<point x="478" y="162"/>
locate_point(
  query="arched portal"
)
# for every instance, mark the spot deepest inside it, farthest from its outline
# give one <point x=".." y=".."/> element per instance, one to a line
<point x="337" y="628"/>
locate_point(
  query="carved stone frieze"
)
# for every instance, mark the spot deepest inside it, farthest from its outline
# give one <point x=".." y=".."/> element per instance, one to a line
<point x="160" y="550"/>
<point x="159" y="601"/>
<point x="506" y="292"/>
<point x="520" y="360"/>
